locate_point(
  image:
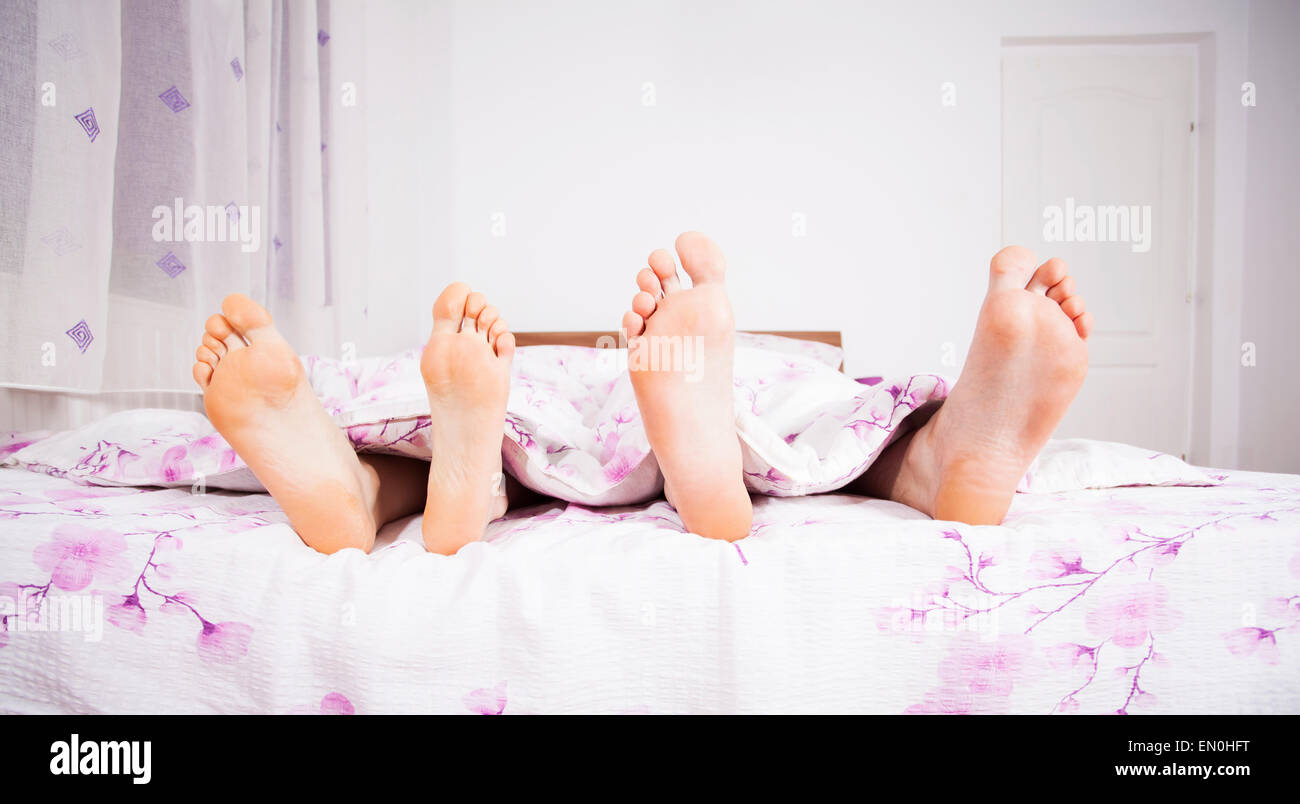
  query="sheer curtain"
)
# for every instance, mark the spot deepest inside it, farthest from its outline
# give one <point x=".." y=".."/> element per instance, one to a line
<point x="119" y="116"/>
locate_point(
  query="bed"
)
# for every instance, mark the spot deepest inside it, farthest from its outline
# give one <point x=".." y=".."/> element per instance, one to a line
<point x="1171" y="598"/>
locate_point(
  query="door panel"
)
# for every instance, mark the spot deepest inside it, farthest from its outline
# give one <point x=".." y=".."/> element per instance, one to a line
<point x="1101" y="131"/>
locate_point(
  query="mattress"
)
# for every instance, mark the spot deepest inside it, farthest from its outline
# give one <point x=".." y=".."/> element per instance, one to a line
<point x="1134" y="600"/>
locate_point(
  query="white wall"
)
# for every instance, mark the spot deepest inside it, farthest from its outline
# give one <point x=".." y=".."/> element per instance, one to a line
<point x="763" y="110"/>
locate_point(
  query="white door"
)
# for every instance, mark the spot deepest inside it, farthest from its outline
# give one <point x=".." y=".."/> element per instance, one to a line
<point x="1097" y="168"/>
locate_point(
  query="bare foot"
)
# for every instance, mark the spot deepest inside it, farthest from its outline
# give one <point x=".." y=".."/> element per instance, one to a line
<point x="680" y="353"/>
<point x="257" y="395"/>
<point x="466" y="368"/>
<point x="1025" y="366"/>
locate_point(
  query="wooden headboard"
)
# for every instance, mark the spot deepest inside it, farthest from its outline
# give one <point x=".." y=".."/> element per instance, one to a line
<point x="593" y="339"/>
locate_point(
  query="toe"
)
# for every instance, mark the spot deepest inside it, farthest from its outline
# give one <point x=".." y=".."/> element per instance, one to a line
<point x="489" y="316"/>
<point x="202" y="374"/>
<point x="474" y="304"/>
<point x="246" y="316"/>
<point x="219" y="328"/>
<point x="1048" y="275"/>
<point x="205" y="355"/>
<point x="497" y="329"/>
<point x="218" y="348"/>
<point x="1062" y="290"/>
<point x="643" y="304"/>
<point x="665" y="268"/>
<point x="1083" y="324"/>
<point x="1011" y="268"/>
<point x="449" y="309"/>
<point x="505" y="345"/>
<point x="633" y="324"/>
<point x="648" y="281"/>
<point x="1073" y="306"/>
<point x="701" y="258"/>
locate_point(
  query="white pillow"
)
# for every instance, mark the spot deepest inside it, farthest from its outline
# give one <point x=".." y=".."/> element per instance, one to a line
<point x="1080" y="463"/>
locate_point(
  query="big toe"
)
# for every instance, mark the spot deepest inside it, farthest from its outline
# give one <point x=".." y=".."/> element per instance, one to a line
<point x="245" y="315"/>
<point x="701" y="258"/>
<point x="1011" y="268"/>
<point x="449" y="309"/>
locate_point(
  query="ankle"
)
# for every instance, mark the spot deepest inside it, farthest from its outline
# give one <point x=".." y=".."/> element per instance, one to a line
<point x="921" y="471"/>
<point x="908" y="471"/>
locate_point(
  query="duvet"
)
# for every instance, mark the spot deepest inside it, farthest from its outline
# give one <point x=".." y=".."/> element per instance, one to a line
<point x="136" y="576"/>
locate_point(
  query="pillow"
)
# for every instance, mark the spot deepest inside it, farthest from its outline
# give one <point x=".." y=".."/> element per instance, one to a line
<point x="824" y="353"/>
<point x="1080" y="463"/>
<point x="141" y="447"/>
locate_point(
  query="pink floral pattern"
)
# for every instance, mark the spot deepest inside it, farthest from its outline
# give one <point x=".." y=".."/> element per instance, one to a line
<point x="573" y="430"/>
<point x="1133" y="615"/>
<point x="487" y="701"/>
<point x="75" y="555"/>
<point x="223" y="643"/>
<point x="1260" y="642"/>
<point x="978" y="677"/>
<point x="334" y="703"/>
<point x="1097" y="601"/>
<point x="1124" y="610"/>
<point x="885" y="611"/>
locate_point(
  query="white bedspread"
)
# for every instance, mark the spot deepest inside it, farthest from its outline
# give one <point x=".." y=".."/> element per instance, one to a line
<point x="1176" y="600"/>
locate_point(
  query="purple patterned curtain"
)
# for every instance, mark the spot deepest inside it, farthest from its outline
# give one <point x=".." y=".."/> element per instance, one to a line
<point x="156" y="155"/>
